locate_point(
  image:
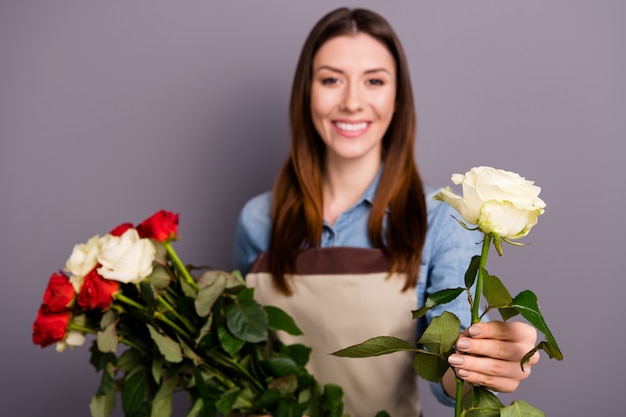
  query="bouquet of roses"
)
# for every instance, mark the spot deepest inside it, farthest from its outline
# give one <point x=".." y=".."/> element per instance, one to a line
<point x="503" y="206"/>
<point x="159" y="329"/>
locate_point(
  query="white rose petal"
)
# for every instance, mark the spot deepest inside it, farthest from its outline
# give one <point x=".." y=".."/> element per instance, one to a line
<point x="126" y="258"/>
<point x="83" y="257"/>
<point x="497" y="201"/>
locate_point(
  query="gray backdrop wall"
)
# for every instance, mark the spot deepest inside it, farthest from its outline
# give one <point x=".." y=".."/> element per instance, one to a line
<point x="112" y="110"/>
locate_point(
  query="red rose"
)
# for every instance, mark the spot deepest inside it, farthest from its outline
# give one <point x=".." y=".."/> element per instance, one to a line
<point x="59" y="295"/>
<point x="97" y="292"/>
<point x="50" y="327"/>
<point x="162" y="226"/>
<point x="119" y="230"/>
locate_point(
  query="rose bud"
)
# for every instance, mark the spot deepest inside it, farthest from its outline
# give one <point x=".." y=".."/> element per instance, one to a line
<point x="59" y="295"/>
<point x="162" y="226"/>
<point x="97" y="292"/>
<point x="49" y="327"/>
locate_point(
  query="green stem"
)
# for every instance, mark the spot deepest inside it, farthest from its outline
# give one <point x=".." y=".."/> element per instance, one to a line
<point x="179" y="264"/>
<point x="175" y="313"/>
<point x="479" y="279"/>
<point x="459" y="396"/>
<point x="129" y="301"/>
<point x="227" y="361"/>
<point x="160" y="316"/>
<point x="133" y="345"/>
<point x="81" y="328"/>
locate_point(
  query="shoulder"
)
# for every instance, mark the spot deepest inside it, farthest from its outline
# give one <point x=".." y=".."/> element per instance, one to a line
<point x="255" y="222"/>
<point x="258" y="210"/>
<point x="444" y="231"/>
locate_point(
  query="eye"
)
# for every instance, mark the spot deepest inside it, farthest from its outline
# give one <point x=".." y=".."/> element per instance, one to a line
<point x="330" y="81"/>
<point x="375" y="81"/>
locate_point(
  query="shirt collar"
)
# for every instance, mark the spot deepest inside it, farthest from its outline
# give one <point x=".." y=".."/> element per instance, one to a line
<point x="370" y="191"/>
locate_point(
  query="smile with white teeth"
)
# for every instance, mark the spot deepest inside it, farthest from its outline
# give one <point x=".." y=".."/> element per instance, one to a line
<point x="351" y="127"/>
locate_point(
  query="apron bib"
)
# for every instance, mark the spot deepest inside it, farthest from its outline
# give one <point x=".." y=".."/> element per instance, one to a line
<point x="341" y="297"/>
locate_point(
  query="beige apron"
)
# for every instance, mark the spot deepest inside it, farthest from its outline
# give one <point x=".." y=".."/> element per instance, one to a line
<point x="341" y="297"/>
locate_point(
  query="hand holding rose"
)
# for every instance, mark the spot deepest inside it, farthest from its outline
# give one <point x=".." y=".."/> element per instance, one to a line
<point x="489" y="354"/>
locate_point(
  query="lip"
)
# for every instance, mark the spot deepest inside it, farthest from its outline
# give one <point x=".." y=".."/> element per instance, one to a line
<point x="351" y="128"/>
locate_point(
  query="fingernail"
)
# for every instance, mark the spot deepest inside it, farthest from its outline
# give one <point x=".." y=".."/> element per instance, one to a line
<point x="455" y="360"/>
<point x="475" y="331"/>
<point x="462" y="373"/>
<point x="463" y="344"/>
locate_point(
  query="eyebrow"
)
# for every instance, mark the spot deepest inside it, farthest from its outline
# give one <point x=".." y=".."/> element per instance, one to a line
<point x="337" y="70"/>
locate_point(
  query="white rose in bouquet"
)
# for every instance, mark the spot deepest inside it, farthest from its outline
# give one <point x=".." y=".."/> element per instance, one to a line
<point x="126" y="258"/>
<point x="499" y="202"/>
<point x="82" y="260"/>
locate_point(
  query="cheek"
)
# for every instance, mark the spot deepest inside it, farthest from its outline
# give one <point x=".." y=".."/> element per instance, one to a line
<point x="385" y="106"/>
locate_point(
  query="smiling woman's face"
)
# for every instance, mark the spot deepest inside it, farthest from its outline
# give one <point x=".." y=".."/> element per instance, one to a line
<point x="352" y="96"/>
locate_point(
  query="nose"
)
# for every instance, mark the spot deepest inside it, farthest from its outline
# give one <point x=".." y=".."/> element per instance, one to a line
<point x="352" y="100"/>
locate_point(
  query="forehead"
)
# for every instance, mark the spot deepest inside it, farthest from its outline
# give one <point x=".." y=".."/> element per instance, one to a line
<point x="358" y="51"/>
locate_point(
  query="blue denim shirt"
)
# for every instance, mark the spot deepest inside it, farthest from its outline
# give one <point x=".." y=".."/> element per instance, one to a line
<point x="445" y="257"/>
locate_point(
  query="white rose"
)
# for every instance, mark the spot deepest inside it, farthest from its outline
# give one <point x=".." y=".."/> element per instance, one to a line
<point x="497" y="201"/>
<point x="82" y="260"/>
<point x="126" y="258"/>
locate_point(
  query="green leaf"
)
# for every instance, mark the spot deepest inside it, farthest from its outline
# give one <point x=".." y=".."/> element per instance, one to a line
<point x="106" y="384"/>
<point x="430" y="366"/>
<point x="188" y="352"/>
<point x="376" y="346"/>
<point x="162" y="402"/>
<point x="442" y="333"/>
<point x="526" y="303"/>
<point x="508" y="313"/>
<point x="134" y="390"/>
<point x="167" y="346"/>
<point x="227" y="400"/>
<point x="148" y="294"/>
<point x="109" y="317"/>
<point x="247" y="320"/>
<point x="129" y="360"/>
<point x="495" y="292"/>
<point x="299" y="353"/>
<point x="268" y="398"/>
<point x="480" y="402"/>
<point x="437" y="298"/>
<point x="246" y="294"/>
<point x="102" y="405"/>
<point x="332" y="400"/>
<point x="98" y="359"/>
<point x="472" y="269"/>
<point x="157" y="369"/>
<point x="212" y="285"/>
<point x="281" y="365"/>
<point x="160" y="277"/>
<point x="107" y="339"/>
<point x="235" y="280"/>
<point x="286" y="384"/>
<point x="195" y="408"/>
<point x="279" y="320"/>
<point x="228" y="342"/>
<point x="288" y="409"/>
<point x="520" y="408"/>
<point x="188" y="290"/>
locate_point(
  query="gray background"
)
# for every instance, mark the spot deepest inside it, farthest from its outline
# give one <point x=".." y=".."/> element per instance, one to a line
<point x="112" y="110"/>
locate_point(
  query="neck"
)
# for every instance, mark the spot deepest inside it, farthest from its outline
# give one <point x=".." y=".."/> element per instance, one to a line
<point x="344" y="183"/>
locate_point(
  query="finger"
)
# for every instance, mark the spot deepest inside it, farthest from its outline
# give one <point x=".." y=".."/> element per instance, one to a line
<point x="498" y="349"/>
<point x="513" y="331"/>
<point x="498" y="375"/>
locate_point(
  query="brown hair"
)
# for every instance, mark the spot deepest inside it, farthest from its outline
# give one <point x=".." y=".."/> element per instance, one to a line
<point x="297" y="213"/>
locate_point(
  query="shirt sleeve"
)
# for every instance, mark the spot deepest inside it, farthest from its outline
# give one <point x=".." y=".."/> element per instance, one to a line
<point x="447" y="254"/>
<point x="252" y="232"/>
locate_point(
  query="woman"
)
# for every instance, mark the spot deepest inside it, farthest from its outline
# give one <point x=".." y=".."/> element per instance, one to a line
<point x="350" y="241"/>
